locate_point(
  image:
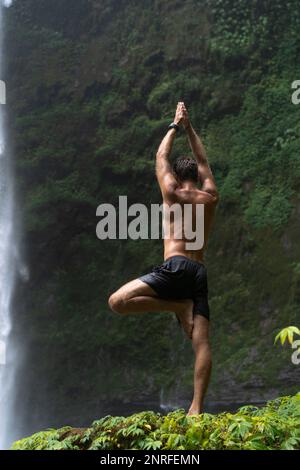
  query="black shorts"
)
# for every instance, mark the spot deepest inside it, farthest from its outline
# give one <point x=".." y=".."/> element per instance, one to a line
<point x="179" y="277"/>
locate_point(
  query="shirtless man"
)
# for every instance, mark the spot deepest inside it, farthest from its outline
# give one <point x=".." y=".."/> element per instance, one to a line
<point x="179" y="284"/>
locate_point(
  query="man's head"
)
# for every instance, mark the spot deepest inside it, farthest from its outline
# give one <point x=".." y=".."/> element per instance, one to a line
<point x="185" y="168"/>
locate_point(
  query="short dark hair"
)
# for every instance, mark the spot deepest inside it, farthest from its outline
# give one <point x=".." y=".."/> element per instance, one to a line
<point x="186" y="168"/>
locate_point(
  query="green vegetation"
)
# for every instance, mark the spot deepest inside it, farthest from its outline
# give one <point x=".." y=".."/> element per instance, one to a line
<point x="92" y="89"/>
<point x="287" y="333"/>
<point x="276" y="426"/>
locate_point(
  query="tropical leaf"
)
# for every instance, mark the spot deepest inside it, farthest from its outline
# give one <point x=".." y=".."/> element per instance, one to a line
<point x="287" y="332"/>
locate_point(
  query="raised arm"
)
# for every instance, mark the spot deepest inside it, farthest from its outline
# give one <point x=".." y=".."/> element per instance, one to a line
<point x="205" y="174"/>
<point x="164" y="174"/>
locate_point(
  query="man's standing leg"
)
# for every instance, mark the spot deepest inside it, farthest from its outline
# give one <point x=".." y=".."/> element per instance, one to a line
<point x="203" y="362"/>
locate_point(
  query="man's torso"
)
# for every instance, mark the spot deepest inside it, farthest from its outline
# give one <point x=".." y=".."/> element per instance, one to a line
<point x="175" y="243"/>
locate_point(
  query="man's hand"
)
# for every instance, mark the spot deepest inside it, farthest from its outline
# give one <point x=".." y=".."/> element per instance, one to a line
<point x="185" y="119"/>
<point x="179" y="113"/>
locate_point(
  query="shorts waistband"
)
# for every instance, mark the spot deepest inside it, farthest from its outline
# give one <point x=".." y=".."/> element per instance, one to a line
<point x="186" y="258"/>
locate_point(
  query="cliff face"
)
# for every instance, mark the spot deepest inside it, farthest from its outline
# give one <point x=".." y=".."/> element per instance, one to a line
<point x="92" y="86"/>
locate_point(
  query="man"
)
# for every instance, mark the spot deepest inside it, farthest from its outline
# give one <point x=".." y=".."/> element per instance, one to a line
<point x="179" y="285"/>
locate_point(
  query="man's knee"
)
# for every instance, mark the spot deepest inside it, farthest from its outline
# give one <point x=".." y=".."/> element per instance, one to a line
<point x="200" y="343"/>
<point x="117" y="303"/>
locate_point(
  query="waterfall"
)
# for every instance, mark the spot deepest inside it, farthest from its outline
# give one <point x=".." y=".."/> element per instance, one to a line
<point x="7" y="265"/>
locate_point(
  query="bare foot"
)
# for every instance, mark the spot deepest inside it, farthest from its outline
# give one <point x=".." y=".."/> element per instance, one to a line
<point x="194" y="411"/>
<point x="185" y="317"/>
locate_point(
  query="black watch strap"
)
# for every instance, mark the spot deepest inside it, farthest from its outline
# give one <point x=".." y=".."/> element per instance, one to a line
<point x="174" y="126"/>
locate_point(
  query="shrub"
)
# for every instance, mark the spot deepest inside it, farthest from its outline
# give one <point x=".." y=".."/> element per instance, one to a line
<point x="274" y="426"/>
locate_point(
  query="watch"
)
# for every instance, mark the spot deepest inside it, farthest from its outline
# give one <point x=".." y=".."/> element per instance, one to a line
<point x="173" y="125"/>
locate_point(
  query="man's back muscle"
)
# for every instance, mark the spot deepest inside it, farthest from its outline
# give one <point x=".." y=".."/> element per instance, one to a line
<point x="188" y="200"/>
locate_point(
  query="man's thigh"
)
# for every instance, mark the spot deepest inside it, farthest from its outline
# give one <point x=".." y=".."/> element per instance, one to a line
<point x="135" y="288"/>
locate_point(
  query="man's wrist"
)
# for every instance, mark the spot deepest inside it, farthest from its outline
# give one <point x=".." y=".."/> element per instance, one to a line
<point x="188" y="127"/>
<point x="174" y="125"/>
<point x="172" y="133"/>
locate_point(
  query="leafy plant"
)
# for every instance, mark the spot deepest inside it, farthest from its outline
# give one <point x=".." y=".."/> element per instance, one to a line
<point x="287" y="333"/>
<point x="275" y="426"/>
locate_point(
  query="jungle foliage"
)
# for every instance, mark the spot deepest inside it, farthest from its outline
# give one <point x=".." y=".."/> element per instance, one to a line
<point x="275" y="426"/>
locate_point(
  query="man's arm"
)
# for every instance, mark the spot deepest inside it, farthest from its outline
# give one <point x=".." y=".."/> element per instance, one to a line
<point x="205" y="174"/>
<point x="164" y="174"/>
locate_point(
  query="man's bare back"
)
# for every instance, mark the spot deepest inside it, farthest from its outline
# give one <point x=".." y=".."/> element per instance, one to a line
<point x="183" y="195"/>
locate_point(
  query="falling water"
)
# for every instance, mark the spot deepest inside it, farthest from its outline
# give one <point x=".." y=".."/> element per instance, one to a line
<point x="7" y="263"/>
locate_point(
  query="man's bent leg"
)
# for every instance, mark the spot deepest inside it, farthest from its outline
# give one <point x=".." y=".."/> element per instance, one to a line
<point x="203" y="362"/>
<point x="137" y="296"/>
